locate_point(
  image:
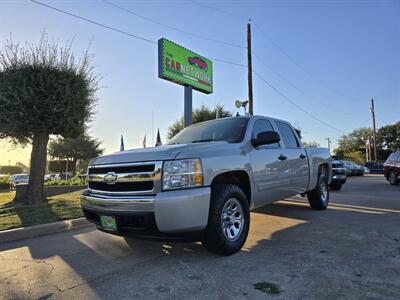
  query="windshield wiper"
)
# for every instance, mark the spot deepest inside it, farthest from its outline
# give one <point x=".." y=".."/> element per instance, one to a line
<point x="203" y="141"/>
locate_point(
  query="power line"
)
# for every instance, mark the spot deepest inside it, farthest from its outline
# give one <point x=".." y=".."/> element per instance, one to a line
<point x="171" y="27"/>
<point x="94" y="22"/>
<point x="296" y="105"/>
<point x="124" y="32"/>
<point x="268" y="38"/>
<point x="219" y="10"/>
<point x="215" y="59"/>
<point x="301" y="91"/>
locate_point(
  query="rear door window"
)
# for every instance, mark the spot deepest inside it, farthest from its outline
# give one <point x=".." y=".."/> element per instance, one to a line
<point x="287" y="135"/>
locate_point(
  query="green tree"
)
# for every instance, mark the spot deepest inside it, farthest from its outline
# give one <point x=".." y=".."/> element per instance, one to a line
<point x="83" y="147"/>
<point x="44" y="90"/>
<point x="354" y="142"/>
<point x="355" y="156"/>
<point x="389" y="137"/>
<point x="57" y="166"/>
<point x="201" y="114"/>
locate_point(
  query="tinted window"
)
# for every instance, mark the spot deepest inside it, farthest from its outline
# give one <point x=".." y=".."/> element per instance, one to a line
<point x="263" y="125"/>
<point x="287" y="135"/>
<point x="230" y="130"/>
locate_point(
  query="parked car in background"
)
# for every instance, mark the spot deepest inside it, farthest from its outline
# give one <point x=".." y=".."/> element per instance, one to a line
<point x="48" y="177"/>
<point x="354" y="169"/>
<point x="339" y="176"/>
<point x="351" y="169"/>
<point x="374" y="167"/>
<point x="359" y="170"/>
<point x="366" y="170"/>
<point x="18" y="179"/>
<point x="391" y="168"/>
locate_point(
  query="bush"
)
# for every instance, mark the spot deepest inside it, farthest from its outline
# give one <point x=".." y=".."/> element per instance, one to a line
<point x="76" y="180"/>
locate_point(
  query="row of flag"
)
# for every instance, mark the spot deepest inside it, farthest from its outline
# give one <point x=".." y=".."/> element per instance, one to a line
<point x="158" y="141"/>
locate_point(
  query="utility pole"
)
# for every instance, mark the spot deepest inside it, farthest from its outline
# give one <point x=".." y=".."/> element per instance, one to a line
<point x="329" y="144"/>
<point x="374" y="128"/>
<point x="249" y="69"/>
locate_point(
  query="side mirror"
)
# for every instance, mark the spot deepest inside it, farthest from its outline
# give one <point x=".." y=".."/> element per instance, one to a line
<point x="266" y="138"/>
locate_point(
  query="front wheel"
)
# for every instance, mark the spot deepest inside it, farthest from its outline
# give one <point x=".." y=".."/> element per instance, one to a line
<point x="319" y="197"/>
<point x="393" y="178"/>
<point x="228" y="221"/>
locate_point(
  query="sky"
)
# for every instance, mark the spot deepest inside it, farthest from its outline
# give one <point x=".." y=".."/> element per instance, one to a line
<point x="327" y="57"/>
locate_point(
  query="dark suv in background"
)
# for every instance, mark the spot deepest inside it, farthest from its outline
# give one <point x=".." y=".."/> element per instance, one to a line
<point x="391" y="168"/>
<point x="339" y="175"/>
<point x="374" y="167"/>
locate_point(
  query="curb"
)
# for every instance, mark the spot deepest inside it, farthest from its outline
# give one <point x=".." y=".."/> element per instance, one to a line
<point x="23" y="233"/>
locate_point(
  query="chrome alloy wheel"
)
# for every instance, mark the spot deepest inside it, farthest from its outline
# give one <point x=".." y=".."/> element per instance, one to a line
<point x="324" y="192"/>
<point x="232" y="219"/>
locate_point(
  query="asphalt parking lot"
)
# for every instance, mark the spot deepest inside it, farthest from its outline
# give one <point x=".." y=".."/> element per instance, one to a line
<point x="351" y="250"/>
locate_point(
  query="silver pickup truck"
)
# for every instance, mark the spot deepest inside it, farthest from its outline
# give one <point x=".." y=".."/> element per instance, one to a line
<point x="204" y="182"/>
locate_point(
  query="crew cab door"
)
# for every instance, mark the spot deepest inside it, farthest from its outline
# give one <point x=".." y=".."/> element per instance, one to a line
<point x="296" y="158"/>
<point x="271" y="174"/>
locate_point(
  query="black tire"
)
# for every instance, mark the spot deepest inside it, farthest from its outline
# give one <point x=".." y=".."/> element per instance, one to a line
<point x="319" y="197"/>
<point x="215" y="239"/>
<point x="335" y="186"/>
<point x="392" y="178"/>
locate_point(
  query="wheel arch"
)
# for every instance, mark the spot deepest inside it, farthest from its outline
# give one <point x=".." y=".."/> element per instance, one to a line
<point x="237" y="177"/>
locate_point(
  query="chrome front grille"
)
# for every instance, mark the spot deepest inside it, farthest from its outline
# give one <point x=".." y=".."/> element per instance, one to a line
<point x="142" y="178"/>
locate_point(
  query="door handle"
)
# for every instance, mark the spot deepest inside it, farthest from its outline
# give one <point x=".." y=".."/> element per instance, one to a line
<point x="282" y="157"/>
<point x="302" y="156"/>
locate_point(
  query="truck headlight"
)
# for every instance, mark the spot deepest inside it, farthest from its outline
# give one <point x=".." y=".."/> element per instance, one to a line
<point x="183" y="173"/>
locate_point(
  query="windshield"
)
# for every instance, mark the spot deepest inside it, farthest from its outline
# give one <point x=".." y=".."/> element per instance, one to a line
<point x="230" y="130"/>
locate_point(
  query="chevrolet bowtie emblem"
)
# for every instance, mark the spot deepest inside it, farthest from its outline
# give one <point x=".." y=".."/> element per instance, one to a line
<point x="110" y="178"/>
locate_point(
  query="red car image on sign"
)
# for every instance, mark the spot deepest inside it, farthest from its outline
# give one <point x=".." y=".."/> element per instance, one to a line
<point x="198" y="62"/>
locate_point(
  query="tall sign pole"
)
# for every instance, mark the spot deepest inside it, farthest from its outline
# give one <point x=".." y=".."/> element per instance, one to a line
<point x="374" y="128"/>
<point x="249" y="69"/>
<point x="187" y="115"/>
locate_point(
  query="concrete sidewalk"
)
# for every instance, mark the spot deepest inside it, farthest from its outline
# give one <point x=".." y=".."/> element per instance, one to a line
<point x="17" y="234"/>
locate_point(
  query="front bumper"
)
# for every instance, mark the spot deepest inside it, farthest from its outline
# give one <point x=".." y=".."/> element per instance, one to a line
<point x="176" y="211"/>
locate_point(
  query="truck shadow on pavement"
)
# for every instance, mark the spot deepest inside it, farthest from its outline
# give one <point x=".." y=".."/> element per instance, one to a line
<point x="309" y="254"/>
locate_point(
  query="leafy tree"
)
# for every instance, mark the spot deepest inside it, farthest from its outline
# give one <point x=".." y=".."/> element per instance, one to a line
<point x="354" y="142"/>
<point x="57" y="166"/>
<point x="44" y="91"/>
<point x="201" y="114"/>
<point x="83" y="147"/>
<point x="389" y="137"/>
<point x="11" y="170"/>
<point x="355" y="156"/>
<point x="311" y="144"/>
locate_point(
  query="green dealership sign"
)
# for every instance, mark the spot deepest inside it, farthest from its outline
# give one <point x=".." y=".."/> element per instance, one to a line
<point x="182" y="66"/>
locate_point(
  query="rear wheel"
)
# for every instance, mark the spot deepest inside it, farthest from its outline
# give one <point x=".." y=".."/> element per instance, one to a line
<point x="319" y="197"/>
<point x="392" y="177"/>
<point x="228" y="221"/>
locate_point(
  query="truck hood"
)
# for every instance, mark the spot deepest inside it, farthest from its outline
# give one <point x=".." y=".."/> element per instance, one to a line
<point x="165" y="152"/>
